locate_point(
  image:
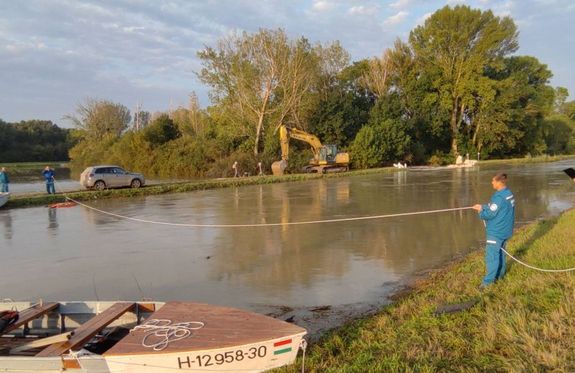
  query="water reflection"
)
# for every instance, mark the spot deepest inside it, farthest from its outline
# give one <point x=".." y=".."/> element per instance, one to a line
<point x="337" y="263"/>
<point x="6" y="219"/>
<point x="52" y="218"/>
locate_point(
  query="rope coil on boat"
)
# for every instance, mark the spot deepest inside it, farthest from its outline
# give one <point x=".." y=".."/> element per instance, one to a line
<point x="159" y="333"/>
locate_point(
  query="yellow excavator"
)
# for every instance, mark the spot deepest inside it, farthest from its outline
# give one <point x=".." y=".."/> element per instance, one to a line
<point x="325" y="157"/>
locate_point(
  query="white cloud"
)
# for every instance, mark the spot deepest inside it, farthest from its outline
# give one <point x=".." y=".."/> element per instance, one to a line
<point x="322" y="5"/>
<point x="396" y="18"/>
<point x="400" y="4"/>
<point x="504" y="8"/>
<point x="363" y="10"/>
<point x="455" y="2"/>
<point x="421" y="20"/>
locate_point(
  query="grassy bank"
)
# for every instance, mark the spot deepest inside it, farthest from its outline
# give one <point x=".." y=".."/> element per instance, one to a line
<point x="43" y="199"/>
<point x="37" y="199"/>
<point x="538" y="159"/>
<point x="525" y="323"/>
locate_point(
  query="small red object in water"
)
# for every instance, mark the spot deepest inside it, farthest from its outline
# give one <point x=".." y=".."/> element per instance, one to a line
<point x="62" y="204"/>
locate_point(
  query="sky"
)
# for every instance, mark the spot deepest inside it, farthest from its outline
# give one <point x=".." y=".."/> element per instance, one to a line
<point x="54" y="54"/>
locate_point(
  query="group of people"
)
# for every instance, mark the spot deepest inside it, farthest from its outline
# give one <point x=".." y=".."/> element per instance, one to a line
<point x="237" y="171"/>
<point x="47" y="174"/>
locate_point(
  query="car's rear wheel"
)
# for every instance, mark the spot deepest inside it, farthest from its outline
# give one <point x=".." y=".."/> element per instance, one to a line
<point x="99" y="185"/>
<point x="136" y="183"/>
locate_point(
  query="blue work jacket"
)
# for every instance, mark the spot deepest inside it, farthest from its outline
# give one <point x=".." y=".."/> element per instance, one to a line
<point x="4" y="178"/>
<point x="499" y="214"/>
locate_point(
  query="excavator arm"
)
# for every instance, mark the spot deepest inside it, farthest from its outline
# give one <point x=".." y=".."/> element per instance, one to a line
<point x="286" y="133"/>
<point x="324" y="157"/>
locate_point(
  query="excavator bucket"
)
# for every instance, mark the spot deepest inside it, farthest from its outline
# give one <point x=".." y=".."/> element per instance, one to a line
<point x="279" y="167"/>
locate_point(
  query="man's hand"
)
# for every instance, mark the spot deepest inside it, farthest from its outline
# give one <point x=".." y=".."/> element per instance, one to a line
<point x="477" y="208"/>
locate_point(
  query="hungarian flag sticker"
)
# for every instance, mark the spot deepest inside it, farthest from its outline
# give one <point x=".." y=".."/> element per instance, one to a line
<point x="282" y="347"/>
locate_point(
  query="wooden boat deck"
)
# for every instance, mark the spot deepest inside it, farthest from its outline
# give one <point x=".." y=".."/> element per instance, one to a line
<point x="30" y="314"/>
<point x="86" y="331"/>
<point x="223" y="327"/>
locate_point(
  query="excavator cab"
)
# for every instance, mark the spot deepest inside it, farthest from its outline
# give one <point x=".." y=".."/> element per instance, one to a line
<point x="327" y="154"/>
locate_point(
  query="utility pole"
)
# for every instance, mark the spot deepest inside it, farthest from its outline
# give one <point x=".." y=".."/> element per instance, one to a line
<point x="137" y="119"/>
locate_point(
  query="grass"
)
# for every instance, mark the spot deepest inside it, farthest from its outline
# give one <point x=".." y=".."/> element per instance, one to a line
<point x="524" y="323"/>
<point x="181" y="187"/>
<point x="538" y="159"/>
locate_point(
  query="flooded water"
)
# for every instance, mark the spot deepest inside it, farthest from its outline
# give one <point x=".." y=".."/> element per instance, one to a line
<point x="352" y="267"/>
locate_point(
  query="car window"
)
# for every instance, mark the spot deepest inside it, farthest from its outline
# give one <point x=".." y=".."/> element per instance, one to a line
<point x="118" y="170"/>
<point x="100" y="171"/>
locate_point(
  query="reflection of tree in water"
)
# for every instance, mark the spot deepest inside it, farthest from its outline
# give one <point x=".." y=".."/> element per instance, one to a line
<point x="6" y="219"/>
<point x="281" y="257"/>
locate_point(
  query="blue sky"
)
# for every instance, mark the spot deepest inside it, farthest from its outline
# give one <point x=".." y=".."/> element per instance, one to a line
<point x="56" y="53"/>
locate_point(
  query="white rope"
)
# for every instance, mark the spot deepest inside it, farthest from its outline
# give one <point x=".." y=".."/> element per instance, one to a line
<point x="371" y="217"/>
<point x="161" y="332"/>
<point x="325" y="221"/>
<point x="303" y="346"/>
<point x="536" y="268"/>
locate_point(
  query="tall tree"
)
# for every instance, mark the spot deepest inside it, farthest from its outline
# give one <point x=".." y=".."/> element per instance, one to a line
<point x="99" y="118"/>
<point x="457" y="44"/>
<point x="258" y="75"/>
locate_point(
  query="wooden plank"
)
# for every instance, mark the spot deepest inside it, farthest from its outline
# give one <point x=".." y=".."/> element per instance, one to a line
<point x="42" y="342"/>
<point x="86" y="331"/>
<point x="30" y="314"/>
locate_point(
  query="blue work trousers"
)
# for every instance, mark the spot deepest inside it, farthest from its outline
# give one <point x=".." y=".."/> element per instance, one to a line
<point x="494" y="260"/>
<point x="50" y="187"/>
<point x="4" y="187"/>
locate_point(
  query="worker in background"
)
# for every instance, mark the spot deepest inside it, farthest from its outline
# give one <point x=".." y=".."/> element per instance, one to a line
<point x="48" y="174"/>
<point x="4" y="181"/>
<point x="260" y="171"/>
<point x="499" y="216"/>
<point x="235" y="168"/>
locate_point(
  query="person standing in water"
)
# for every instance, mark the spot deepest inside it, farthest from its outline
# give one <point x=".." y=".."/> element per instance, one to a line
<point x="499" y="216"/>
<point x="48" y="174"/>
<point x="4" y="181"/>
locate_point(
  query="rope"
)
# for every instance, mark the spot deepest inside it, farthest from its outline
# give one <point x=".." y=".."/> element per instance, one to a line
<point x="303" y="346"/>
<point x="325" y="221"/>
<point x="536" y="268"/>
<point x="371" y="217"/>
<point x="161" y="332"/>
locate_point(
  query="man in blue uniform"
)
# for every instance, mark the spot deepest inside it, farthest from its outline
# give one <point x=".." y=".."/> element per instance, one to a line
<point x="499" y="215"/>
<point x="48" y="174"/>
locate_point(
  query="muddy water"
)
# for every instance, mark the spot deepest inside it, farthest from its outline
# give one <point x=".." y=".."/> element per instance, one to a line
<point x="320" y="274"/>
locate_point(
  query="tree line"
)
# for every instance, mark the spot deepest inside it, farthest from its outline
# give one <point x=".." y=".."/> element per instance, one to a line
<point x="454" y="87"/>
<point x="34" y="141"/>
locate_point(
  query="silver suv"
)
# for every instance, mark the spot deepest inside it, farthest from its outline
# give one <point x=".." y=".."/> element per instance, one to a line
<point x="102" y="177"/>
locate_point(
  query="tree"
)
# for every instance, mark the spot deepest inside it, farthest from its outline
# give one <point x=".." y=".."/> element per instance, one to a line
<point x="161" y="130"/>
<point x="343" y="107"/>
<point x="379" y="143"/>
<point x="257" y="76"/>
<point x="456" y="45"/>
<point x="100" y="118"/>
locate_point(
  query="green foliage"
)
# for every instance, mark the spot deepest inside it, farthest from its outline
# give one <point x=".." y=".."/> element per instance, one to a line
<point x="101" y="118"/>
<point x="454" y="46"/>
<point x="343" y="107"/>
<point x="161" y="130"/>
<point x="34" y="140"/>
<point x="559" y="134"/>
<point x="380" y="142"/>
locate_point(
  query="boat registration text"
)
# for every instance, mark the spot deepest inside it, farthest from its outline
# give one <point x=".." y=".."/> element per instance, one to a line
<point x="206" y="360"/>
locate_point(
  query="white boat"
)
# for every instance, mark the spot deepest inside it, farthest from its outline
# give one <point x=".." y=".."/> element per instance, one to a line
<point x="4" y="197"/>
<point x="146" y="337"/>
